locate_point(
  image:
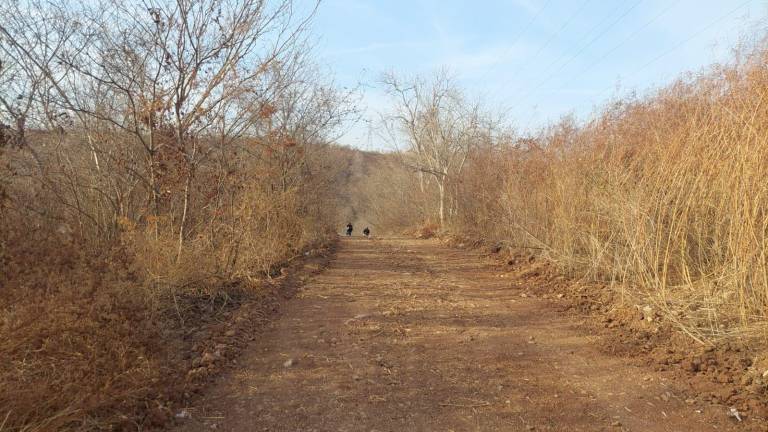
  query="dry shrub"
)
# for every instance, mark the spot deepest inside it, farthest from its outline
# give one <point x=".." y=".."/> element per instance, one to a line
<point x="478" y="208"/>
<point x="91" y="332"/>
<point x="139" y="198"/>
<point x="663" y="196"/>
<point x="93" y="327"/>
<point x="428" y="231"/>
<point x="396" y="200"/>
<point x="270" y="230"/>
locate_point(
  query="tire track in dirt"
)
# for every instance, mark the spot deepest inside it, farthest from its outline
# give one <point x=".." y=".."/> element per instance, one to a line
<point x="407" y="335"/>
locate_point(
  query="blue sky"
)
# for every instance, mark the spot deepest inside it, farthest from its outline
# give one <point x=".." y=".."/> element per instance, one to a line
<point x="536" y="60"/>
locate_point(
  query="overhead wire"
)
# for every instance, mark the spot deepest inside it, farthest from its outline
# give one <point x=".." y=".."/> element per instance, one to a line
<point x="634" y="34"/>
<point x="517" y="38"/>
<point x="667" y="52"/>
<point x="552" y="37"/>
<point x="681" y="43"/>
<point x="575" y="46"/>
<point x="583" y="48"/>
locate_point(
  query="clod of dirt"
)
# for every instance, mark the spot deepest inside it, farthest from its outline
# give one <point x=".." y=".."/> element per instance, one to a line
<point x="496" y="248"/>
<point x="691" y="365"/>
<point x="157" y="416"/>
<point x="208" y="358"/>
<point x="648" y="314"/>
<point x="724" y="378"/>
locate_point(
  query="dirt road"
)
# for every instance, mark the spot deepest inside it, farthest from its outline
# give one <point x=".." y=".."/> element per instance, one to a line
<point x="405" y="335"/>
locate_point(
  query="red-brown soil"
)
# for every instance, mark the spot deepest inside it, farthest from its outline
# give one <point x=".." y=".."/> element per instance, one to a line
<point x="410" y="335"/>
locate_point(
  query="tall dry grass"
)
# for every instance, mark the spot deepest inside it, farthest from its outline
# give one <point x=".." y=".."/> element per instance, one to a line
<point x="662" y="196"/>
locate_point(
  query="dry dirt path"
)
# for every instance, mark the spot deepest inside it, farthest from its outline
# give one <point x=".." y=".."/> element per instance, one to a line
<point x="405" y="335"/>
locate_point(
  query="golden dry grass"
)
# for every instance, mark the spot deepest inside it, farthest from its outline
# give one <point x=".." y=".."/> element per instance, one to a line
<point x="665" y="197"/>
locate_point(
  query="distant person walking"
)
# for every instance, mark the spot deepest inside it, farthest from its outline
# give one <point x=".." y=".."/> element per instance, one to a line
<point x="349" y="229"/>
<point x="366" y="232"/>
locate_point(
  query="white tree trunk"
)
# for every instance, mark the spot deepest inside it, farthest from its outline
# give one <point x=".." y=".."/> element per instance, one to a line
<point x="441" y="189"/>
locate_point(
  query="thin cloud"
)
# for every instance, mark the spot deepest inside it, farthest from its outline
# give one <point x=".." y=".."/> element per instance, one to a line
<point x="530" y="6"/>
<point x="379" y="46"/>
<point x="468" y="63"/>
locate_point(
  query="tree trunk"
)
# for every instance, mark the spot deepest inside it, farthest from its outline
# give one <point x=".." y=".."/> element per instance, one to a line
<point x="441" y="189"/>
<point x="183" y="224"/>
<point x="153" y="184"/>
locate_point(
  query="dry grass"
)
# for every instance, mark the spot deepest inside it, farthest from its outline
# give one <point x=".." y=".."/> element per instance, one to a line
<point x="95" y="329"/>
<point x="79" y="340"/>
<point x="665" y="197"/>
<point x="95" y="341"/>
<point x="141" y="204"/>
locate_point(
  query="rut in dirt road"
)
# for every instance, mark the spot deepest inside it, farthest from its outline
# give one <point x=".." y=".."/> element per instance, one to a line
<point x="405" y="335"/>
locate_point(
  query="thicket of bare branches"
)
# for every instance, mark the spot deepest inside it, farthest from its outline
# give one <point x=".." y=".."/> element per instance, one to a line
<point x="437" y="131"/>
<point x="436" y="126"/>
<point x="151" y="151"/>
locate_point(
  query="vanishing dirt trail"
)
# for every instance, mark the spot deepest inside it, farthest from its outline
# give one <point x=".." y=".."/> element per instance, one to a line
<point x="404" y="335"/>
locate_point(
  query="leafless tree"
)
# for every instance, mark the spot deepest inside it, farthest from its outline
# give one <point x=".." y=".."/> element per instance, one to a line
<point x="180" y="77"/>
<point x="438" y="125"/>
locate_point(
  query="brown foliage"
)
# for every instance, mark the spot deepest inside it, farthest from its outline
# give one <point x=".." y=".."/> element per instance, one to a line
<point x="170" y="187"/>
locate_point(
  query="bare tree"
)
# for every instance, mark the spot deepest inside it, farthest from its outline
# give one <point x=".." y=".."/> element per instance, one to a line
<point x="181" y="64"/>
<point x="175" y="75"/>
<point x="439" y="126"/>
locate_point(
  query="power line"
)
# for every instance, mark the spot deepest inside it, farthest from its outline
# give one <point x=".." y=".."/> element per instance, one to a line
<point x="617" y="46"/>
<point x="584" y="37"/>
<point x="622" y="43"/>
<point x="515" y="40"/>
<point x="683" y="42"/>
<point x="671" y="49"/>
<point x="551" y="38"/>
<point x="575" y="46"/>
<point x="562" y="27"/>
<point x="584" y="48"/>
